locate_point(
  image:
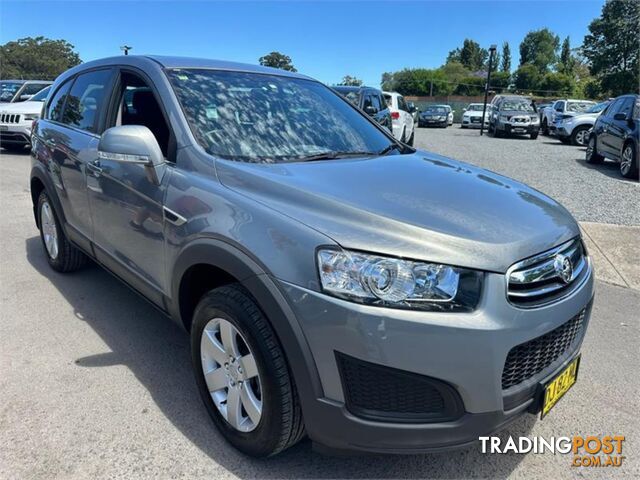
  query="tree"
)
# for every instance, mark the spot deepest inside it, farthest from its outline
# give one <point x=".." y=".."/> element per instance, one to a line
<point x="612" y="47"/>
<point x="37" y="58"/>
<point x="350" y="81"/>
<point x="277" y="60"/>
<point x="566" y="59"/>
<point x="539" y="48"/>
<point x="471" y="55"/>
<point x="506" y="58"/>
<point x="556" y="83"/>
<point x="527" y="78"/>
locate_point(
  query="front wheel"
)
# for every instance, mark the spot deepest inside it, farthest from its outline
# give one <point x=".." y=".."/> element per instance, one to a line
<point x="534" y="135"/>
<point x="580" y="135"/>
<point x="629" y="162"/>
<point x="242" y="374"/>
<point x="545" y="128"/>
<point x="592" y="156"/>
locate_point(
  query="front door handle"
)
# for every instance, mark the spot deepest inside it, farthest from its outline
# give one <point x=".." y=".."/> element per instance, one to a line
<point x="94" y="168"/>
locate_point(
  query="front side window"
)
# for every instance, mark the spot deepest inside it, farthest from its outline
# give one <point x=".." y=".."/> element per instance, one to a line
<point x="41" y="96"/>
<point x="270" y="118"/>
<point x="85" y="100"/>
<point x="33" y="88"/>
<point x="626" y="107"/>
<point x="597" y="108"/>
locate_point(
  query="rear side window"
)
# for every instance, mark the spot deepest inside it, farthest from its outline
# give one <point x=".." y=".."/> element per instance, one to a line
<point x="388" y="100"/>
<point x="86" y="99"/>
<point x="368" y="102"/>
<point x="54" y="109"/>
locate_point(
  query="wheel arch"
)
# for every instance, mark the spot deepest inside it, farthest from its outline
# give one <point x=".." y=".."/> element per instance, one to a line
<point x="39" y="182"/>
<point x="232" y="264"/>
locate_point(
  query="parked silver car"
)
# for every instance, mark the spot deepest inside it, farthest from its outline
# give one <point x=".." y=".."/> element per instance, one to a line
<point x="334" y="282"/>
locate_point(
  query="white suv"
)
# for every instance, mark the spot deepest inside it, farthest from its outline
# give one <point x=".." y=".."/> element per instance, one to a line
<point x="16" y="120"/>
<point x="560" y="110"/>
<point x="401" y="119"/>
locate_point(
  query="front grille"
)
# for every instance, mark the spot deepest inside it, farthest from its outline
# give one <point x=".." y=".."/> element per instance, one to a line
<point x="530" y="358"/>
<point x="388" y="394"/>
<point x="9" y="118"/>
<point x="547" y="277"/>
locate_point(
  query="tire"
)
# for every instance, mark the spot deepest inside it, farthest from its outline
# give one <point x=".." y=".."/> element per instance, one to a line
<point x="629" y="162"/>
<point x="545" y="127"/>
<point x="411" y="138"/>
<point x="404" y="131"/>
<point x="280" y="424"/>
<point x="61" y="254"/>
<point x="534" y="136"/>
<point x="592" y="156"/>
<point x="579" y="136"/>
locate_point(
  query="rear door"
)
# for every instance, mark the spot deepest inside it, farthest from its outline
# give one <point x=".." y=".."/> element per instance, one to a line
<point x="406" y="117"/>
<point x="70" y="133"/>
<point x="603" y="130"/>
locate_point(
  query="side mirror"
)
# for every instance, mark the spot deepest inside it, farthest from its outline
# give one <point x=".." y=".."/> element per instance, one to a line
<point x="135" y="145"/>
<point x="464" y="109"/>
<point x="370" y="110"/>
<point x="620" y="116"/>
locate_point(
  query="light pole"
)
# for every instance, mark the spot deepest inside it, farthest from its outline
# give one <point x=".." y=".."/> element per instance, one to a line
<point x="125" y="49"/>
<point x="492" y="51"/>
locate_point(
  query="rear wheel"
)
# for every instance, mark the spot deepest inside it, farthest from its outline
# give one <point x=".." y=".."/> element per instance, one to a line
<point x="629" y="162"/>
<point x="592" y="156"/>
<point x="411" y="138"/>
<point x="61" y="254"/>
<point x="580" y="135"/>
<point x="242" y="374"/>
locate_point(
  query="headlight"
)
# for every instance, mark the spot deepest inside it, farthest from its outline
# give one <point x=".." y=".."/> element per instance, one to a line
<point x="504" y="118"/>
<point x="396" y="283"/>
<point x="535" y="119"/>
<point x="31" y="117"/>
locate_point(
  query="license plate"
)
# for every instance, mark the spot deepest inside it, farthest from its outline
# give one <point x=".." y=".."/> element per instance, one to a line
<point x="560" y="385"/>
<point x="519" y="130"/>
<point x="3" y="128"/>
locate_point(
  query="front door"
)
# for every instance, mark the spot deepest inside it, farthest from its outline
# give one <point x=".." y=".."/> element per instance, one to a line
<point x="127" y="205"/>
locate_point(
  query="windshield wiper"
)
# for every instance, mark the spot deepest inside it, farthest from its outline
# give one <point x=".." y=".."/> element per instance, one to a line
<point x="389" y="148"/>
<point x="331" y="155"/>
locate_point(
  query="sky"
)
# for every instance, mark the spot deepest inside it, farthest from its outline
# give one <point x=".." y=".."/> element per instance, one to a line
<point x="325" y="39"/>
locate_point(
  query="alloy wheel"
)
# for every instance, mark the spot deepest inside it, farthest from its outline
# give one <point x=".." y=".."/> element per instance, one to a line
<point x="231" y="374"/>
<point x="49" y="230"/>
<point x="581" y="137"/>
<point x="627" y="160"/>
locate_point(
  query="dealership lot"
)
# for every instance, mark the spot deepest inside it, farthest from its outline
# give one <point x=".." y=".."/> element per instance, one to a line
<point x="96" y="383"/>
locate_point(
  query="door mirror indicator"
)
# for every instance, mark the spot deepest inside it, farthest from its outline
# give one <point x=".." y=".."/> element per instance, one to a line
<point x="133" y="144"/>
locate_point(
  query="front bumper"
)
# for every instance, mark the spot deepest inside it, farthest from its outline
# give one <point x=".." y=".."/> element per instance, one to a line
<point x="15" y="134"/>
<point x="471" y="124"/>
<point x="525" y="129"/>
<point x="467" y="351"/>
<point x="422" y="122"/>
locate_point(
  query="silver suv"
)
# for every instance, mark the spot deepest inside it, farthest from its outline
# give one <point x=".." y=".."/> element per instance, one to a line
<point x="334" y="281"/>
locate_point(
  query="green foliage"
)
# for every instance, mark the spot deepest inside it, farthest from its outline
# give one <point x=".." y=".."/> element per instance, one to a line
<point x="527" y="78"/>
<point x="506" y="58"/>
<point x="567" y="62"/>
<point x="350" y="81"/>
<point x="555" y="82"/>
<point x="277" y="60"/>
<point x="612" y="47"/>
<point x="471" y="55"/>
<point x="36" y="58"/>
<point x="540" y="48"/>
<point x="500" y="81"/>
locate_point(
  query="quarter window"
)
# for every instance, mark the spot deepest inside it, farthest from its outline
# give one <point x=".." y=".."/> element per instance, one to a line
<point x="86" y="99"/>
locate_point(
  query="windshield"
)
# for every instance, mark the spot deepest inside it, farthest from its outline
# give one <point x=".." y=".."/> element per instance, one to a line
<point x="578" y="107"/>
<point x="475" y="107"/>
<point x="8" y="90"/>
<point x="597" y="108"/>
<point x="440" y="110"/>
<point x="41" y="96"/>
<point x="517" y="105"/>
<point x="270" y="118"/>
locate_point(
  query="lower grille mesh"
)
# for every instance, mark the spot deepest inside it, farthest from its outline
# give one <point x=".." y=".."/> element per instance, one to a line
<point x="530" y="358"/>
<point x="376" y="391"/>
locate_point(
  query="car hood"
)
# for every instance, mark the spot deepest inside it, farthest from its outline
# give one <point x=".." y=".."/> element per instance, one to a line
<point x="517" y="113"/>
<point x="475" y="113"/>
<point x="421" y="206"/>
<point x="21" y="107"/>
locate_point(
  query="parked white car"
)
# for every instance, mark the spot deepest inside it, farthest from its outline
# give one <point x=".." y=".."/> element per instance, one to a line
<point x="16" y="120"/>
<point x="575" y="130"/>
<point x="472" y="116"/>
<point x="401" y="119"/>
<point x="562" y="109"/>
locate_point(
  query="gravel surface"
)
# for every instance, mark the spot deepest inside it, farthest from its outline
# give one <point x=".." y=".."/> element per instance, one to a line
<point x="95" y="383"/>
<point x="591" y="193"/>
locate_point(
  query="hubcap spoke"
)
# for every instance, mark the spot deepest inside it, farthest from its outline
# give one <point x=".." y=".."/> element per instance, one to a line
<point x="216" y="379"/>
<point x="251" y="404"/>
<point x="229" y="341"/>
<point x="49" y="231"/>
<point x="249" y="367"/>
<point x="211" y="346"/>
<point x="234" y="412"/>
